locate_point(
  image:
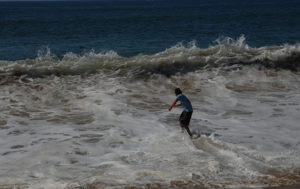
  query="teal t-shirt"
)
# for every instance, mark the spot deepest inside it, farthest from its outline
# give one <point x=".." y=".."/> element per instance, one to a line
<point x="185" y="102"/>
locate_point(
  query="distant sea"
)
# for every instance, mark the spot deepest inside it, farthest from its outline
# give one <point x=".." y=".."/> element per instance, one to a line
<point x="138" y="26"/>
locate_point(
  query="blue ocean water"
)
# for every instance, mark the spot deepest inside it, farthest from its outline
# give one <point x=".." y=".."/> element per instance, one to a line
<point x="137" y="26"/>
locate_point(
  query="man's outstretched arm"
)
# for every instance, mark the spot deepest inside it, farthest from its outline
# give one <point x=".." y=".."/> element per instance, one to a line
<point x="174" y="104"/>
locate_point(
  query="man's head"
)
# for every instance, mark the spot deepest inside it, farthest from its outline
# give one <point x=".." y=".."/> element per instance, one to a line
<point x="177" y="91"/>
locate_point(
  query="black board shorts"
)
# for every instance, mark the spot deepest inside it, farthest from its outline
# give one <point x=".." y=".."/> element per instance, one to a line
<point x="185" y="118"/>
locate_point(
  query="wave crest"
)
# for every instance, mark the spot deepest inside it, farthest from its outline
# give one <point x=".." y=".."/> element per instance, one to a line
<point x="179" y="58"/>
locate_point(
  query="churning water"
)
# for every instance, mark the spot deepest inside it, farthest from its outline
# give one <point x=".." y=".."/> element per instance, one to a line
<point x="71" y="117"/>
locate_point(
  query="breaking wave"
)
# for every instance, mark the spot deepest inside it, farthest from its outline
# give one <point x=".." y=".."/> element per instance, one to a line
<point x="104" y="130"/>
<point x="177" y="59"/>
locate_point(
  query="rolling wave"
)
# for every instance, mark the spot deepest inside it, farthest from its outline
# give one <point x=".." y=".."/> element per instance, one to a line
<point x="177" y="59"/>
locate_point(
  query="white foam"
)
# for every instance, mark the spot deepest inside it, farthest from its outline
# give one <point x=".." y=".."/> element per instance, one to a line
<point x="102" y="128"/>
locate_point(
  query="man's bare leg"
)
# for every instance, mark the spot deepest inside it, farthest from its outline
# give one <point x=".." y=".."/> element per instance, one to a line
<point x="182" y="128"/>
<point x="188" y="130"/>
<point x="185" y="127"/>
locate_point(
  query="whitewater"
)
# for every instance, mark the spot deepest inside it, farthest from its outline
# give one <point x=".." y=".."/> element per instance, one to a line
<point x="101" y="119"/>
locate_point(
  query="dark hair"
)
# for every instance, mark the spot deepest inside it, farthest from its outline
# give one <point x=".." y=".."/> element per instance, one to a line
<point x="177" y="91"/>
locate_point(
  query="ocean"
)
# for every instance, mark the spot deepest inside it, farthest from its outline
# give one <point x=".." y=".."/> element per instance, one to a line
<point x="85" y="88"/>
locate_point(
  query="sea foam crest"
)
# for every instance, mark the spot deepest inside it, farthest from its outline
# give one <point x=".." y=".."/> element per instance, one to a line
<point x="180" y="58"/>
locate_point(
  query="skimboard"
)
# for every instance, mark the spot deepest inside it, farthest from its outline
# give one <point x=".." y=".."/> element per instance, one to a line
<point x="198" y="134"/>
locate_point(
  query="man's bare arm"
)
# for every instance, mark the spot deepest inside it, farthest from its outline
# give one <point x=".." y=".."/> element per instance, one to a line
<point x="174" y="104"/>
